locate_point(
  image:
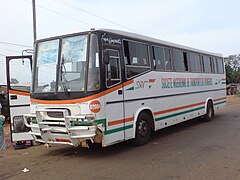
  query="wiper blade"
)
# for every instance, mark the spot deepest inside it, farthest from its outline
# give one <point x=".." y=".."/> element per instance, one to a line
<point x="66" y="90"/>
<point x="63" y="73"/>
<point x="63" y="78"/>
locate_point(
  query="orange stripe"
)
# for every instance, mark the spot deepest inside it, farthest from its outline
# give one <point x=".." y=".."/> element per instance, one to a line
<point x="120" y="121"/>
<point x="178" y="108"/>
<point x="220" y="99"/>
<point x="79" y="100"/>
<point x="19" y="92"/>
<point x="152" y="80"/>
<point x="184" y="107"/>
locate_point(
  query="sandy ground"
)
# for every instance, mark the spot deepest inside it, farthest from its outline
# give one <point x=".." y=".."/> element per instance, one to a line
<point x="190" y="150"/>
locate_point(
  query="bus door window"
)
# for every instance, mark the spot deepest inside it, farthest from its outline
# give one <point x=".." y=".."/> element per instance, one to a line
<point x="113" y="68"/>
<point x="18" y="80"/>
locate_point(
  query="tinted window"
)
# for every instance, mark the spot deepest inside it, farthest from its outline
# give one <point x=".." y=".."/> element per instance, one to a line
<point x="113" y="68"/>
<point x="20" y="74"/>
<point x="220" y="65"/>
<point x="158" y="54"/>
<point x="135" y="58"/>
<point x="213" y="65"/>
<point x="206" y="64"/>
<point x="168" y="61"/>
<point x="195" y="64"/>
<point x="180" y="60"/>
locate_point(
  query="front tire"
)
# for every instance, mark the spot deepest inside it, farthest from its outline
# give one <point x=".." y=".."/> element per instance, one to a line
<point x="210" y="112"/>
<point x="143" y="130"/>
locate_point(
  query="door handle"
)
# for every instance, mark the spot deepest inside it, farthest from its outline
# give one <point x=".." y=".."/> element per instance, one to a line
<point x="13" y="97"/>
<point x="120" y="92"/>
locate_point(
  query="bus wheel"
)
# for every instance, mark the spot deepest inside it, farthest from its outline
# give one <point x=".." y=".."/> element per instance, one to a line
<point x="143" y="130"/>
<point x="210" y="112"/>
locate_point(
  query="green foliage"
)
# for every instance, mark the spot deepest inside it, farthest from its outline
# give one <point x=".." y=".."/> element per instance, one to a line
<point x="232" y="66"/>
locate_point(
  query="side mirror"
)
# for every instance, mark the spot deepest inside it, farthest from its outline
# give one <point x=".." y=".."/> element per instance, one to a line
<point x="106" y="57"/>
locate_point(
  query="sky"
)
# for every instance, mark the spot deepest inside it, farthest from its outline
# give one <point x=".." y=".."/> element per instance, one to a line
<point x="209" y="25"/>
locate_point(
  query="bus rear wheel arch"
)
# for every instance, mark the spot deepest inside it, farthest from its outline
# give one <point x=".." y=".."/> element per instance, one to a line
<point x="143" y="129"/>
<point x="209" y="111"/>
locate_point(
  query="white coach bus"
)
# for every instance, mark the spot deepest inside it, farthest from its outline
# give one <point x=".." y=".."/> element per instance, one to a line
<point x="108" y="86"/>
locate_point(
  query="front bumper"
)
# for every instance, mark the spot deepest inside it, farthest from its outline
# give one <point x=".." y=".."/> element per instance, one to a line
<point x="66" y="129"/>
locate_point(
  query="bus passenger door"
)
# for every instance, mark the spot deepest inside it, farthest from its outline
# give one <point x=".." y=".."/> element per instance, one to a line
<point x="114" y="131"/>
<point x="18" y="82"/>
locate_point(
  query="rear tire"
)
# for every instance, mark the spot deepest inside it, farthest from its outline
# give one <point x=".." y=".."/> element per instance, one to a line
<point x="143" y="130"/>
<point x="210" y="112"/>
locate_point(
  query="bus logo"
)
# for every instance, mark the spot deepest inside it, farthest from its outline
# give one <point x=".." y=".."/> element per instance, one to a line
<point x="95" y="106"/>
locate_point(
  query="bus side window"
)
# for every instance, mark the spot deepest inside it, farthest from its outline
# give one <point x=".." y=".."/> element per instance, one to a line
<point x="206" y="64"/>
<point x="136" y="58"/>
<point x="195" y="62"/>
<point x="168" y="61"/>
<point x="158" y="55"/>
<point x="113" y="69"/>
<point x="180" y="60"/>
<point x="220" y="65"/>
<point x="213" y="65"/>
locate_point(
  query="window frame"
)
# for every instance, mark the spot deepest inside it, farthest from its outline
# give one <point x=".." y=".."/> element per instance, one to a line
<point x="222" y="66"/>
<point x="149" y="59"/>
<point x="170" y="55"/>
<point x="198" y="56"/>
<point x="184" y="65"/>
<point x="208" y="58"/>
<point x="154" y="59"/>
<point x="119" y="64"/>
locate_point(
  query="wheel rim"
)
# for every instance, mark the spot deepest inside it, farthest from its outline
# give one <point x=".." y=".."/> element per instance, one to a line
<point x="143" y="128"/>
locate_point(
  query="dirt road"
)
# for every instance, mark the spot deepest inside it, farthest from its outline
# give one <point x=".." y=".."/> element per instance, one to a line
<point x="191" y="150"/>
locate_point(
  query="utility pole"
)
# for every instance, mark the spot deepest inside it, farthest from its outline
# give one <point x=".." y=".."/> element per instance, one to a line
<point x="34" y="21"/>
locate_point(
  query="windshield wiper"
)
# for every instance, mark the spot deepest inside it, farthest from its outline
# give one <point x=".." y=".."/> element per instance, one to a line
<point x="63" y="79"/>
<point x="63" y="73"/>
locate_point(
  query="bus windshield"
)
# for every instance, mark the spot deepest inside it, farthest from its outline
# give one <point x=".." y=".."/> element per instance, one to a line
<point x="65" y="69"/>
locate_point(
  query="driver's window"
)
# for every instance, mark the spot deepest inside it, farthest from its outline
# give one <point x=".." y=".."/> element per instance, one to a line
<point x="113" y="75"/>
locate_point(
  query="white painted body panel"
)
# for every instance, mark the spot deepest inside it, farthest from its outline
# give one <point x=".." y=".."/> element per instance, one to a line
<point x="19" y="111"/>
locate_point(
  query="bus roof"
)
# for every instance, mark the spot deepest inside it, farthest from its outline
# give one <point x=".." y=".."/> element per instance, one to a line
<point x="146" y="38"/>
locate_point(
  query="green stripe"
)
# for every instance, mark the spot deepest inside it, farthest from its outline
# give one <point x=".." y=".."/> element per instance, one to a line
<point x="87" y="123"/>
<point x="100" y="121"/>
<point x="82" y="123"/>
<point x="118" y="129"/>
<point x="131" y="88"/>
<point x="180" y="113"/>
<point x="34" y="121"/>
<point x="222" y="102"/>
<point x="104" y="122"/>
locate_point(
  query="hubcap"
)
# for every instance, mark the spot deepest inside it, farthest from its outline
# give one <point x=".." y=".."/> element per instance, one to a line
<point x="143" y="128"/>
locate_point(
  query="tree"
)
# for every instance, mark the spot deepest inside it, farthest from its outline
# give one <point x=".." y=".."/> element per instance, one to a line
<point x="232" y="66"/>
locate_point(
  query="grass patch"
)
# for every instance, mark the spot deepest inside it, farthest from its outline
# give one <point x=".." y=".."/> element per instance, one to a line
<point x="237" y="95"/>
